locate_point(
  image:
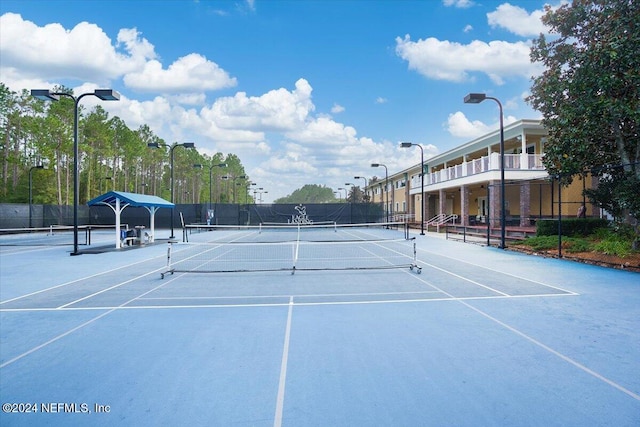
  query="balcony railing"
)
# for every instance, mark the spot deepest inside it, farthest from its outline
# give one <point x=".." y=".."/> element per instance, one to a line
<point x="481" y="165"/>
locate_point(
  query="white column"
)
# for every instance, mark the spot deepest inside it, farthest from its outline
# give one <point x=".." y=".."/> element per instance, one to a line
<point x="117" y="213"/>
<point x="524" y="157"/>
<point x="152" y="223"/>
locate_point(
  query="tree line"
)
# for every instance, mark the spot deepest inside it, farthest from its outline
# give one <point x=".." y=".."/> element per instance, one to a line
<point x="314" y="193"/>
<point x="37" y="147"/>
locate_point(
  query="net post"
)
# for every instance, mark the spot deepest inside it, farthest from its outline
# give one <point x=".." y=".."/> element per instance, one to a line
<point x="169" y="248"/>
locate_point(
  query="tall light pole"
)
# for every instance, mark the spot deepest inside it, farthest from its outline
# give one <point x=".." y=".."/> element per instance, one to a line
<point x="31" y="169"/>
<point x="365" y="183"/>
<point x="345" y="193"/>
<point x="256" y="190"/>
<point x="408" y="145"/>
<point x="246" y="195"/>
<point x="47" y="95"/>
<point x="365" y="197"/>
<point x="171" y="148"/>
<point x="236" y="184"/>
<point x="219" y="165"/>
<point x="386" y="185"/>
<point x="353" y="194"/>
<point x="476" y="98"/>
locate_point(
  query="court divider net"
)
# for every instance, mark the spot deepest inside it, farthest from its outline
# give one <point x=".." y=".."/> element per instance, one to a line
<point x="299" y="247"/>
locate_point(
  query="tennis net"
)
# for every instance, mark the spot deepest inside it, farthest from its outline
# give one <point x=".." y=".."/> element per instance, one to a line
<point x="295" y="248"/>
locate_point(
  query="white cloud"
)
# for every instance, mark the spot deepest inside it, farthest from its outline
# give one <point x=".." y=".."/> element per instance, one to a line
<point x="381" y="100"/>
<point x="462" y="4"/>
<point x="336" y="109"/>
<point x="459" y="126"/>
<point x="86" y="53"/>
<point x="468" y="28"/>
<point x="276" y="110"/>
<point x="517" y="20"/>
<point x="275" y="133"/>
<point x="52" y="52"/>
<point x="191" y="73"/>
<point x="445" y="60"/>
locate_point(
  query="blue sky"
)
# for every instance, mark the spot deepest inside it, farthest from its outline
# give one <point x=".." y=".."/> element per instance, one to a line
<point x="304" y="92"/>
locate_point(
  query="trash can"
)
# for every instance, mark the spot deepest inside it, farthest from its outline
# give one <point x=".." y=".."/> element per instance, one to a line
<point x="140" y="234"/>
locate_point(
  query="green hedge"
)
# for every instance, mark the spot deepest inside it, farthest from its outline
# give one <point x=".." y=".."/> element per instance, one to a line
<point x="570" y="226"/>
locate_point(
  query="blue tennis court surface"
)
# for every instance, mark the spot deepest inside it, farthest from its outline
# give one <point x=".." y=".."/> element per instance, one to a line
<point x="482" y="337"/>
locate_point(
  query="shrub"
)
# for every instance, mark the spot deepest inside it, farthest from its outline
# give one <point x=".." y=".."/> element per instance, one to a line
<point x="570" y="226"/>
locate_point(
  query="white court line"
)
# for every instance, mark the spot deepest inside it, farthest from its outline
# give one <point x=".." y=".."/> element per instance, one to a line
<point x="275" y="304"/>
<point x="556" y="353"/>
<point x="70" y="331"/>
<point x="79" y="280"/>
<point x="464" y="278"/>
<point x="27" y="250"/>
<point x="289" y="295"/>
<point x="497" y="271"/>
<point x="277" y="421"/>
<point x="543" y="346"/>
<point x="107" y="289"/>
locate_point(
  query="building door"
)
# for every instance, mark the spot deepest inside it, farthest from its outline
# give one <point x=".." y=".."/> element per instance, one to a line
<point x="482" y="208"/>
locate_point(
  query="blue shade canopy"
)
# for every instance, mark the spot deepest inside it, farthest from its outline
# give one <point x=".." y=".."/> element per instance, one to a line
<point x="133" y="199"/>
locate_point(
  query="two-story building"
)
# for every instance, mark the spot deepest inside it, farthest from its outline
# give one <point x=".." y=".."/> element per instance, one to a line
<point x="463" y="185"/>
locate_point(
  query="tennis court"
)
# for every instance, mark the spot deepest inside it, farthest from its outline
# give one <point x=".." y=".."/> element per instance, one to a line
<point x="224" y="334"/>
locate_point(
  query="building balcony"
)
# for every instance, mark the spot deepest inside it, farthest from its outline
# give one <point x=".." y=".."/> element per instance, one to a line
<point x="475" y="168"/>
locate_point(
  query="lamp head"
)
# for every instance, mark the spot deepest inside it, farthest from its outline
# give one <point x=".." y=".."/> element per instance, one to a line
<point x="474" y="98"/>
<point x="197" y="166"/>
<point x="44" y="95"/>
<point x="107" y="94"/>
<point x="153" y="145"/>
<point x="375" y="165"/>
<point x="188" y="144"/>
<point x="406" y="144"/>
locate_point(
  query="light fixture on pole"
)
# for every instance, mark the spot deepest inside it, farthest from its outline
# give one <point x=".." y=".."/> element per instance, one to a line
<point x="365" y="197"/>
<point x="31" y="169"/>
<point x="235" y="184"/>
<point x="408" y="145"/>
<point x="365" y="182"/>
<point x="476" y="98"/>
<point x="386" y="185"/>
<point x="345" y="193"/>
<point x="219" y="165"/>
<point x="47" y="95"/>
<point x="171" y="148"/>
<point x="255" y="191"/>
<point x="353" y="194"/>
